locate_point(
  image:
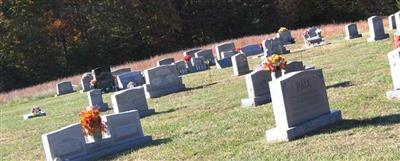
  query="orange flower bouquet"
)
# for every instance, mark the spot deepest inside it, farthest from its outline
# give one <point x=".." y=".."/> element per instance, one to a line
<point x="397" y="41"/>
<point x="91" y="122"/>
<point x="93" y="83"/>
<point x="274" y="63"/>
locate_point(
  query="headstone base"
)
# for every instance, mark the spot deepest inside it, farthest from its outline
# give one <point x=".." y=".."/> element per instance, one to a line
<point x="145" y="113"/>
<point x="154" y="93"/>
<point x="110" y="150"/>
<point x="31" y="115"/>
<point x="376" y="38"/>
<point x="393" y="94"/>
<point x="251" y="102"/>
<point x="353" y="37"/>
<point x="279" y="135"/>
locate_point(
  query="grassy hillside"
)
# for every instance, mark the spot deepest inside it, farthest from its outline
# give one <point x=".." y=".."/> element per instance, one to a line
<point x="206" y="122"/>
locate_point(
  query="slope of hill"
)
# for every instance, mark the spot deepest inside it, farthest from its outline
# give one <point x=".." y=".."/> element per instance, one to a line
<point x="206" y="122"/>
<point x="48" y="89"/>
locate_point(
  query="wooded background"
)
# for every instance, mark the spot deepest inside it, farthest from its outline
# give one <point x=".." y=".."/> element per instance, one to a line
<point x="42" y="40"/>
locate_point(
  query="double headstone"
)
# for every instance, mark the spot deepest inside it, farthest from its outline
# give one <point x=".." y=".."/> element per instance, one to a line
<point x="85" y="81"/>
<point x="96" y="100"/>
<point x="131" y="99"/>
<point x="207" y="54"/>
<point x="300" y="105"/>
<point x="191" y="52"/>
<point x="352" y="31"/>
<point x="162" y="80"/>
<point x="285" y="37"/>
<point x="69" y="143"/>
<point x="64" y="87"/>
<point x="392" y="22"/>
<point x="252" y="49"/>
<point x="125" y="78"/>
<point x="166" y="61"/>
<point x="274" y="46"/>
<point x="104" y="78"/>
<point x="181" y="67"/>
<point x="240" y="65"/>
<point x="376" y="29"/>
<point x="394" y="62"/>
<point x="228" y="48"/>
<point x="257" y="88"/>
<point x="198" y="64"/>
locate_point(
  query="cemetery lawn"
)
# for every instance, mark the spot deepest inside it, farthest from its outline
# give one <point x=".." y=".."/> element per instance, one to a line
<point x="207" y="122"/>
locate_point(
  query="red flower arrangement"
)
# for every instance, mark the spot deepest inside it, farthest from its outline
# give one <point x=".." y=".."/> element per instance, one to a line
<point x="274" y="63"/>
<point x="187" y="58"/>
<point x="397" y="41"/>
<point x="237" y="49"/>
<point x="91" y="121"/>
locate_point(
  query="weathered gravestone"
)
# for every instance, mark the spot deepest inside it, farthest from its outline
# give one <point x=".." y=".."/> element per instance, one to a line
<point x="207" y="54"/>
<point x="166" y="61"/>
<point x="131" y="99"/>
<point x="85" y="81"/>
<point x="96" y="100"/>
<point x="392" y="22"/>
<point x="293" y="66"/>
<point x="257" y="88"/>
<point x="104" y="78"/>
<point x="68" y="143"/>
<point x="162" y="80"/>
<point x="285" y="37"/>
<point x="352" y="31"/>
<point x="191" y="52"/>
<point x="376" y="29"/>
<point x="181" y="67"/>
<point x="274" y="46"/>
<point x="227" y="47"/>
<point x="64" y="87"/>
<point x="240" y="65"/>
<point x="135" y="76"/>
<point x="394" y="62"/>
<point x="253" y="49"/>
<point x="300" y="105"/>
<point x="312" y="37"/>
<point x="120" y="71"/>
<point x="224" y="63"/>
<point x="397" y="21"/>
<point x="199" y="64"/>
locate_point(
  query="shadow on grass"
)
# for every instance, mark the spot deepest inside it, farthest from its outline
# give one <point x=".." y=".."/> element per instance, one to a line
<point x="340" y="85"/>
<point x="201" y="86"/>
<point x="170" y="110"/>
<point x="152" y="143"/>
<point x="348" y="124"/>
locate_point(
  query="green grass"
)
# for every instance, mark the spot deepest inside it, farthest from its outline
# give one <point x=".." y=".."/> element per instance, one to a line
<point x="208" y="123"/>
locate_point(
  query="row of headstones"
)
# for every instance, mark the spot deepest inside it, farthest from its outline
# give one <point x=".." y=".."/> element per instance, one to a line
<point x="124" y="127"/>
<point x="196" y="64"/>
<point x="228" y="57"/>
<point x="299" y="100"/>
<point x="376" y="28"/>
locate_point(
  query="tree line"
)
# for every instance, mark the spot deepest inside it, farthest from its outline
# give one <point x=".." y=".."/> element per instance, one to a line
<point x="42" y="40"/>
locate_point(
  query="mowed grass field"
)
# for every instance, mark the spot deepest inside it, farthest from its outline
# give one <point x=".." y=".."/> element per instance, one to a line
<point x="206" y="122"/>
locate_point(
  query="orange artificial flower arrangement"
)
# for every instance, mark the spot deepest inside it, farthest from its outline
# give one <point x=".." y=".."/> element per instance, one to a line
<point x="397" y="41"/>
<point x="274" y="63"/>
<point x="91" y="121"/>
